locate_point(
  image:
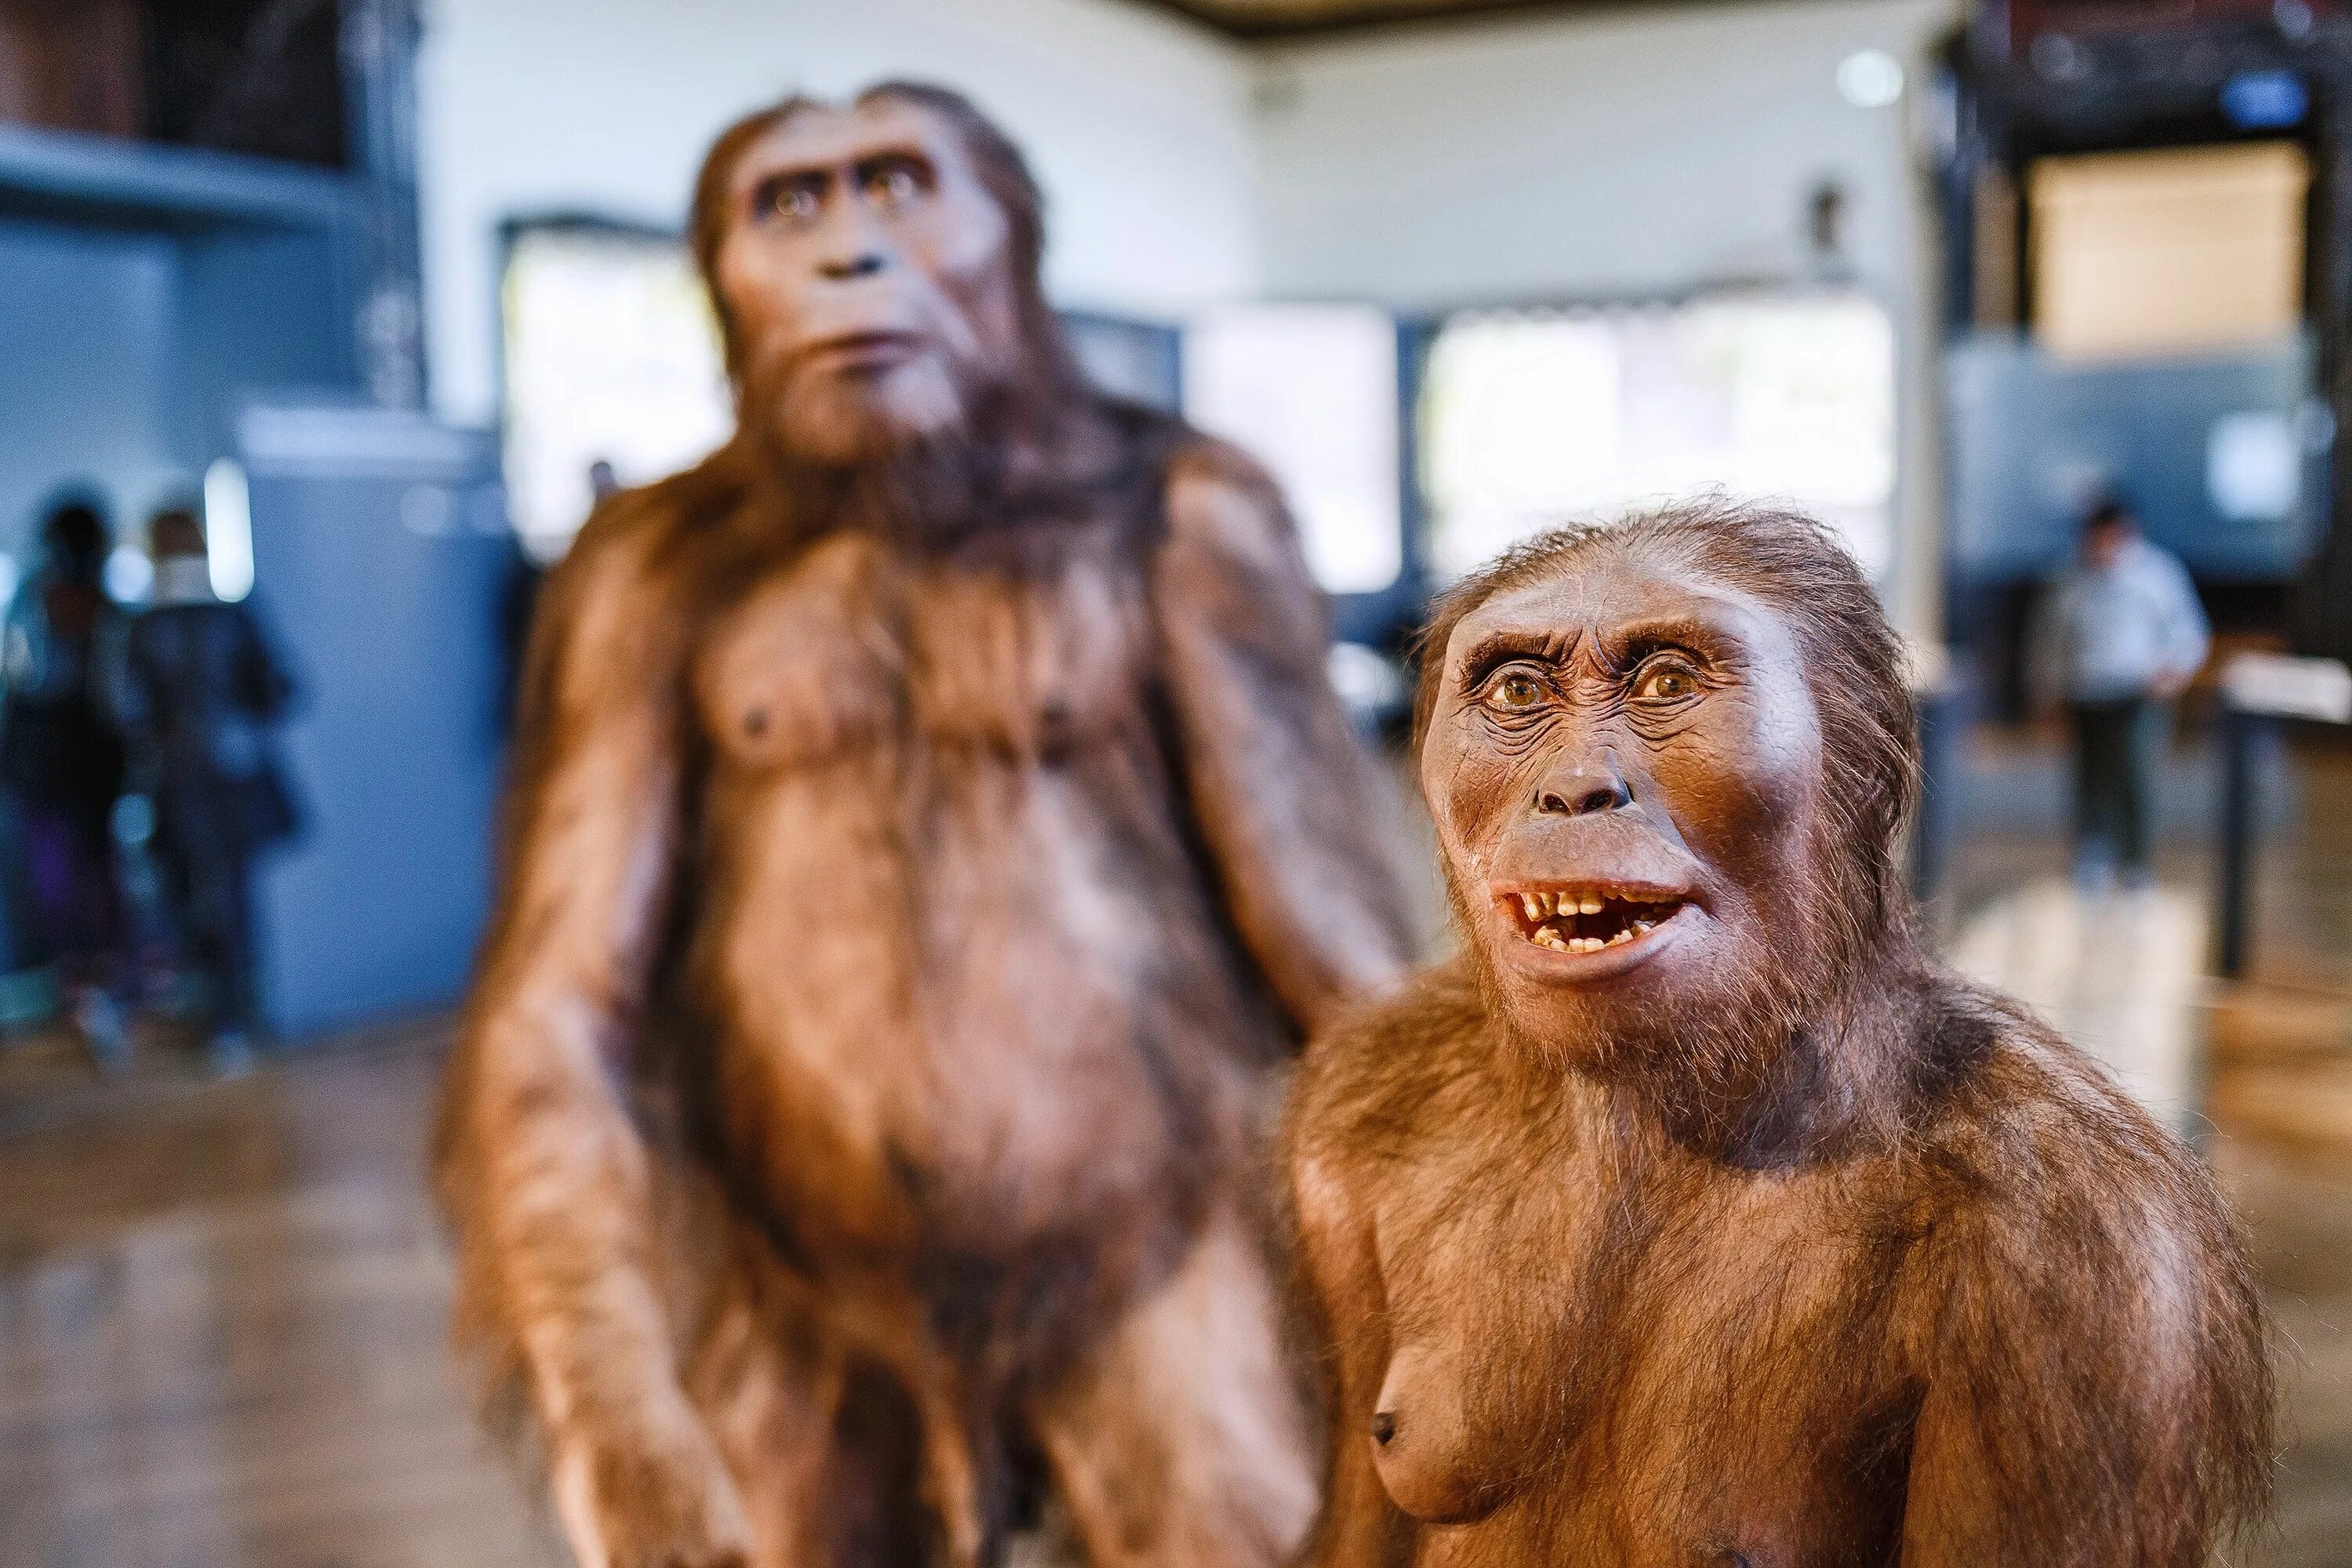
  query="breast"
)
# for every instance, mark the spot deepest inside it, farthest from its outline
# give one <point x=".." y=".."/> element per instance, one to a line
<point x="1497" y="1288"/>
<point x="852" y="648"/>
<point x="1427" y="1440"/>
<point x="810" y="664"/>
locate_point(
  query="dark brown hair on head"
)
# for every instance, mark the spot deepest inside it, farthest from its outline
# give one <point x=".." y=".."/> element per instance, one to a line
<point x="999" y="163"/>
<point x="1854" y="661"/>
<point x="175" y="531"/>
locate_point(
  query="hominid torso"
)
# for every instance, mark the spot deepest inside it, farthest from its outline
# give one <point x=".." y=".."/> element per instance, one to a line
<point x="971" y="992"/>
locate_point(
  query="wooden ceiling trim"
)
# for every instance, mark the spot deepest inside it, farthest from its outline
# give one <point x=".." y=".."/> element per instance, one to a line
<point x="1273" y="21"/>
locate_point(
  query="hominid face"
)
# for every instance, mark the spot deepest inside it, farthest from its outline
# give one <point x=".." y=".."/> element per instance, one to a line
<point x="1624" y="762"/>
<point x="867" y="273"/>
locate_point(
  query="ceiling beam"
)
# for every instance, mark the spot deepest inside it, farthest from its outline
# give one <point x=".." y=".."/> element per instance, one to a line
<point x="1323" y="21"/>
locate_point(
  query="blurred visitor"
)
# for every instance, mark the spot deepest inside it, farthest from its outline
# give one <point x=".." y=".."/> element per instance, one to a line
<point x="61" y="759"/>
<point x="202" y="695"/>
<point x="2119" y="636"/>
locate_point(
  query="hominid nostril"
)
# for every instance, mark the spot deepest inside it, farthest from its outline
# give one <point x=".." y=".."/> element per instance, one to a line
<point x="1600" y="797"/>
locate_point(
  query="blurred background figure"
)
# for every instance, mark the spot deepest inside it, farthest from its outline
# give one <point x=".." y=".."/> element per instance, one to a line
<point x="2121" y="635"/>
<point x="202" y="694"/>
<point x="61" y="757"/>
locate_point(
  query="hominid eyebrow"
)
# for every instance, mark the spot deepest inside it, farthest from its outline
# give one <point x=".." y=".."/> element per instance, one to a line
<point x="1627" y="645"/>
<point x="1498" y="648"/>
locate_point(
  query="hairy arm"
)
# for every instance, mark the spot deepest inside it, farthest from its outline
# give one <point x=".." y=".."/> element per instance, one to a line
<point x="542" y="1170"/>
<point x="2096" y="1385"/>
<point x="1285" y="798"/>
<point x="1360" y="1527"/>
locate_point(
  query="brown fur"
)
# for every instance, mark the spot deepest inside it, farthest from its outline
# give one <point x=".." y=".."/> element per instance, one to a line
<point x="908" y="889"/>
<point x="1904" y="1275"/>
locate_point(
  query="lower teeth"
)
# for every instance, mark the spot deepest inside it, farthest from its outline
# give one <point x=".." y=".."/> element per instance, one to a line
<point x="1548" y="936"/>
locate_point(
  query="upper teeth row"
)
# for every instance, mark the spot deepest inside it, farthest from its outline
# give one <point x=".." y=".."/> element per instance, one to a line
<point x="1538" y="905"/>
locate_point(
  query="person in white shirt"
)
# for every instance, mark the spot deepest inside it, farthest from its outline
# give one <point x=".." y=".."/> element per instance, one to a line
<point x="2119" y="636"/>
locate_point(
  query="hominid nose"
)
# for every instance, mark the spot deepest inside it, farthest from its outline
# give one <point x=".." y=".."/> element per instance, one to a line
<point x="863" y="264"/>
<point x="1582" y="792"/>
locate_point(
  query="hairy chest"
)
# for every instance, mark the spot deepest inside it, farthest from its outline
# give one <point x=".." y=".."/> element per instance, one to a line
<point x="1647" y="1365"/>
<point x="853" y="650"/>
<point x="966" y="978"/>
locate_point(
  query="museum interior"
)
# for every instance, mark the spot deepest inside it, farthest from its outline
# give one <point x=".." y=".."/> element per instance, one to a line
<point x="383" y="296"/>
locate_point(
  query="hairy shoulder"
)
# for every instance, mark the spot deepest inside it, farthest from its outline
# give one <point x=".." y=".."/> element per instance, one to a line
<point x="2047" y="1186"/>
<point x="2027" y="1117"/>
<point x="637" y="536"/>
<point x="613" y="615"/>
<point x="1222" y="504"/>
<point x="1383" y="1070"/>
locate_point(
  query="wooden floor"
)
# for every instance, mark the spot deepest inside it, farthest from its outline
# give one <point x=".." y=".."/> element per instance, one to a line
<point x="222" y="1333"/>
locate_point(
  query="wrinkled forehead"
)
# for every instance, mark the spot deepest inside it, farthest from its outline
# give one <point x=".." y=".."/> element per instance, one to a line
<point x="1611" y="596"/>
<point x="833" y="136"/>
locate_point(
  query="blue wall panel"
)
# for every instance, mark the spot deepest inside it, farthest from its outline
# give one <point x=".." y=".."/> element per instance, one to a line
<point x="2031" y="437"/>
<point x="257" y="309"/>
<point x="383" y="569"/>
<point x="86" y="320"/>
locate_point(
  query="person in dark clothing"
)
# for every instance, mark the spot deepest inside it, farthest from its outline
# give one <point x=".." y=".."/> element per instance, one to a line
<point x="61" y="758"/>
<point x="203" y="692"/>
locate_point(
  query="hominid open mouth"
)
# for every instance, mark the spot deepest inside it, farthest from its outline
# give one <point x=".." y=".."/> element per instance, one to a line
<point x="1588" y="918"/>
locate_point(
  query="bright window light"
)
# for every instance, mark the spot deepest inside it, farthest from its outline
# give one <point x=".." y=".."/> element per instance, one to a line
<point x="1870" y="78"/>
<point x="1530" y="419"/>
<point x="229" y="530"/>
<point x="128" y="574"/>
<point x="1311" y="391"/>
<point x="612" y="356"/>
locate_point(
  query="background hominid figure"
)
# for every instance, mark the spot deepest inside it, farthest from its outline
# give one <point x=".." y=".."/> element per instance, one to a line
<point x="936" y="799"/>
<point x="1695" y="1214"/>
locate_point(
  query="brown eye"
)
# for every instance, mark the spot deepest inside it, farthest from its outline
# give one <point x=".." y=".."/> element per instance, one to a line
<point x="1666" y="683"/>
<point x="1518" y="689"/>
<point x="893" y="186"/>
<point x="794" y="201"/>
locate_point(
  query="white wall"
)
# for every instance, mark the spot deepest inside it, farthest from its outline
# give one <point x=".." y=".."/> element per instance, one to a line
<point x="1624" y="154"/>
<point x="1139" y="127"/>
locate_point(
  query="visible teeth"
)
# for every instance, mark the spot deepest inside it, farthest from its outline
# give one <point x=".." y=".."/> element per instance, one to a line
<point x="1625" y="934"/>
<point x="1591" y="904"/>
<point x="1533" y="904"/>
<point x="1547" y="937"/>
<point x="1644" y="926"/>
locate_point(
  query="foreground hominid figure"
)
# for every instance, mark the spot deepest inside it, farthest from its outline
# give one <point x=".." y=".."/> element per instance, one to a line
<point x="1695" y="1215"/>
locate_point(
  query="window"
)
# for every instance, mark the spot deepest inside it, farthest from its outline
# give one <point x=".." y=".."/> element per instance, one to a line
<point x="1311" y="391"/>
<point x="610" y="356"/>
<point x="1531" y="418"/>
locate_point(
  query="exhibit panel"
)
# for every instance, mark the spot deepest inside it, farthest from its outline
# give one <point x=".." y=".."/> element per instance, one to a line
<point x="385" y="572"/>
